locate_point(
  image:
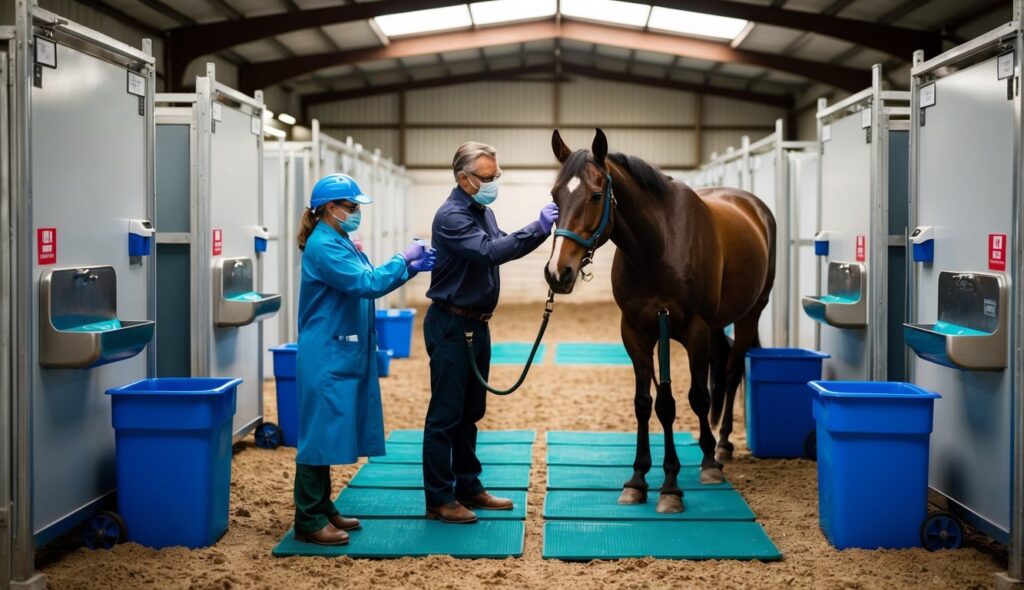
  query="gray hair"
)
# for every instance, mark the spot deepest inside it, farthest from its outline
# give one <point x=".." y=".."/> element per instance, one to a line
<point x="467" y="154"/>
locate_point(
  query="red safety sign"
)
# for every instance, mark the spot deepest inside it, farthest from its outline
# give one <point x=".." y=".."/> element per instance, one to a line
<point x="861" y="248"/>
<point x="997" y="252"/>
<point x="218" y="242"/>
<point x="46" y="245"/>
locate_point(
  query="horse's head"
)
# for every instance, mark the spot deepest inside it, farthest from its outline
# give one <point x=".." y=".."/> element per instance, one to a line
<point x="583" y="193"/>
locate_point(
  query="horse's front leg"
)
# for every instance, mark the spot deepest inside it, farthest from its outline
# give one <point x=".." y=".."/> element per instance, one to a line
<point x="698" y="343"/>
<point x="640" y="346"/>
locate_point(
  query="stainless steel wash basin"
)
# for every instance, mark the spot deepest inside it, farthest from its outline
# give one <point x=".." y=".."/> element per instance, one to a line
<point x="845" y="304"/>
<point x="235" y="303"/>
<point x="78" y="324"/>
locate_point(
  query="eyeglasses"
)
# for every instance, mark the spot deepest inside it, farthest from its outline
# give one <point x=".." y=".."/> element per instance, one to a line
<point x="496" y="176"/>
<point x="350" y="206"/>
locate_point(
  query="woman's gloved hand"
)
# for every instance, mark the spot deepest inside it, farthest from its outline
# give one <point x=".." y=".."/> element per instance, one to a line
<point x="414" y="251"/>
<point x="424" y="263"/>
<point x="548" y="217"/>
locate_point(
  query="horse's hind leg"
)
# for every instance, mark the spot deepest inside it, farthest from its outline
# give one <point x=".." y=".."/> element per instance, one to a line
<point x="640" y="346"/>
<point x="720" y="349"/>
<point x="746" y="335"/>
<point x="697" y="342"/>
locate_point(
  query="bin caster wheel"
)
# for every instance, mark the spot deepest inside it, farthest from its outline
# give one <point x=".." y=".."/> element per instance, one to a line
<point x="268" y="436"/>
<point x="811" y="446"/>
<point x="104" y="530"/>
<point x="941" y="530"/>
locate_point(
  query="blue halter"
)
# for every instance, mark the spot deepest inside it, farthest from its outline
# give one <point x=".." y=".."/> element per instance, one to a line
<point x="609" y="201"/>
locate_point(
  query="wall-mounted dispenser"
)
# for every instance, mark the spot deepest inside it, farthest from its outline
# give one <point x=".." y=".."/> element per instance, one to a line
<point x="923" y="240"/>
<point x="821" y="243"/>
<point x="140" y="237"/>
<point x="262" y="236"/>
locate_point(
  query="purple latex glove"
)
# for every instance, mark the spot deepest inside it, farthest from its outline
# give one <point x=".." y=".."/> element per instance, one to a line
<point x="548" y="217"/>
<point x="413" y="251"/>
<point x="424" y="263"/>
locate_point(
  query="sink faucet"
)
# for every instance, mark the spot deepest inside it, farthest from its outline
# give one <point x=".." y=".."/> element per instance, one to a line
<point x="86" y="275"/>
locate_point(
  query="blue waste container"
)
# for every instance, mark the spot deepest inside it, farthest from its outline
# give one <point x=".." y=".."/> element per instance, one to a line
<point x="778" y="401"/>
<point x="394" y="330"/>
<point x="287" y="393"/>
<point x="384" y="362"/>
<point x="872" y="462"/>
<point x="173" y="440"/>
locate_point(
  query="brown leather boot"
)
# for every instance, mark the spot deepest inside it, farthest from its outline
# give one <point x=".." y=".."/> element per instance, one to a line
<point x="485" y="501"/>
<point x="329" y="535"/>
<point x="344" y="524"/>
<point x="451" y="513"/>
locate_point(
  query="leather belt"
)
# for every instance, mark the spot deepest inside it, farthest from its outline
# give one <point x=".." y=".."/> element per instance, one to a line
<point x="465" y="313"/>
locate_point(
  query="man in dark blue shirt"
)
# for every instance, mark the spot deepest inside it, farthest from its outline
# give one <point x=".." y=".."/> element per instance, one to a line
<point x="464" y="289"/>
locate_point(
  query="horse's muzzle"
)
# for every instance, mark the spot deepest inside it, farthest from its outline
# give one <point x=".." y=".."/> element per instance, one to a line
<point x="564" y="283"/>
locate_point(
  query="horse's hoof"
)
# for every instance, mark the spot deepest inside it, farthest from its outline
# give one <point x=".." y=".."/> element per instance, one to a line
<point x="711" y="475"/>
<point x="670" y="504"/>
<point x="723" y="455"/>
<point x="631" y="496"/>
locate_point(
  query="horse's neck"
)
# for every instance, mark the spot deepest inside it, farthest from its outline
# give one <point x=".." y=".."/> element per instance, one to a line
<point x="641" y="228"/>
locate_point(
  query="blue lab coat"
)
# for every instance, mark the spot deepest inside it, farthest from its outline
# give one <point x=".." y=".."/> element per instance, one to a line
<point x="340" y="414"/>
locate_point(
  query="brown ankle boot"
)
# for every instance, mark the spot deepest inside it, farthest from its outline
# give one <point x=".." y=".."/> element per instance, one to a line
<point x="329" y="535"/>
<point x="452" y="513"/>
<point x="344" y="524"/>
<point x="485" y="501"/>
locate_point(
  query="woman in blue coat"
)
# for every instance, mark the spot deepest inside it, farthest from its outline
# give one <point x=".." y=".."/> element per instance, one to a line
<point x="340" y="415"/>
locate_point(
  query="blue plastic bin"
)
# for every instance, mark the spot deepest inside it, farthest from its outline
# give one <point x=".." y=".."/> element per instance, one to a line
<point x="394" y="330"/>
<point x="384" y="362"/>
<point x="287" y="393"/>
<point x="872" y="462"/>
<point x="779" y="417"/>
<point x="173" y="439"/>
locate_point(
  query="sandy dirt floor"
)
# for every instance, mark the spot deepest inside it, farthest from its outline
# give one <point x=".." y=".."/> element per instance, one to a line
<point x="783" y="493"/>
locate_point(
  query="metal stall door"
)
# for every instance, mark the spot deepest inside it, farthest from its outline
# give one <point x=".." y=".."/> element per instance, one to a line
<point x="898" y="159"/>
<point x="275" y="219"/>
<point x="89" y="159"/>
<point x="763" y="186"/>
<point x="845" y="213"/>
<point x="234" y="211"/>
<point x="964" y="176"/>
<point x="803" y="197"/>
<point x="9" y="447"/>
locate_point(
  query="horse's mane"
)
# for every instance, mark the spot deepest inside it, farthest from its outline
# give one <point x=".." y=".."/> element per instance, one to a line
<point x="648" y="178"/>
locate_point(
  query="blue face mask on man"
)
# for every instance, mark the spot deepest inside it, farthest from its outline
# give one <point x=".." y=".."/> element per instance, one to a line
<point x="351" y="223"/>
<point x="488" y="192"/>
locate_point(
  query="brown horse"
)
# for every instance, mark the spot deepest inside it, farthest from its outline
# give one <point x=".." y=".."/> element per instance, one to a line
<point x="707" y="258"/>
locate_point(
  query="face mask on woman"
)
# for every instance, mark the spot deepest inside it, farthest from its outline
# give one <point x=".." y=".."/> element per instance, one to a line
<point x="351" y="224"/>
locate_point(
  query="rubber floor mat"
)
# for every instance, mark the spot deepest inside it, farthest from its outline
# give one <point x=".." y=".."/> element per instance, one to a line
<point x="484" y="437"/>
<point x="570" y="477"/>
<point x="612" y="439"/>
<point x="406" y="476"/>
<point x="592" y="353"/>
<point x="695" y="539"/>
<point x="490" y="454"/>
<point x="620" y="456"/>
<point x="394" y="503"/>
<point x="603" y="505"/>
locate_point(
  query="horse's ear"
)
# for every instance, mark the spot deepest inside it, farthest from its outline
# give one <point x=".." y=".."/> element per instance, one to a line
<point x="600" y="147"/>
<point x="562" y="151"/>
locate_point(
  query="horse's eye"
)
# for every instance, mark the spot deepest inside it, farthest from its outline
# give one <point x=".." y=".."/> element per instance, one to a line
<point x="596" y="196"/>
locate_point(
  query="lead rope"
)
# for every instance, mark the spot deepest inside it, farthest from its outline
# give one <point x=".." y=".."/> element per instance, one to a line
<point x="549" y="307"/>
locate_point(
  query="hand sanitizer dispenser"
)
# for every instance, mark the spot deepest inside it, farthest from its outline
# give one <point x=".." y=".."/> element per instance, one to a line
<point x="140" y="237"/>
<point x="821" y="243"/>
<point x="923" y="241"/>
<point x="262" y="236"/>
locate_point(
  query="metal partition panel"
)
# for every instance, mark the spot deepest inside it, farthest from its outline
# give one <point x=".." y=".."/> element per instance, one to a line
<point x="763" y="180"/>
<point x="275" y="216"/>
<point x="845" y="213"/>
<point x="965" y="189"/>
<point x="90" y="147"/>
<point x="803" y="191"/>
<point x="299" y="177"/>
<point x="8" y="444"/>
<point x="235" y="160"/>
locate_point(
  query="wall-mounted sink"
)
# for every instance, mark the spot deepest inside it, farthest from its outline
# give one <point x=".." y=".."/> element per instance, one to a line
<point x="78" y="324"/>
<point x="845" y="304"/>
<point x="235" y="303"/>
<point x="970" y="333"/>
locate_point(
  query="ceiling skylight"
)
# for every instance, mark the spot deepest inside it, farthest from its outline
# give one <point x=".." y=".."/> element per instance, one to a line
<point x="695" y="23"/>
<point x="425" y="21"/>
<point x="609" y="11"/>
<point x="502" y="11"/>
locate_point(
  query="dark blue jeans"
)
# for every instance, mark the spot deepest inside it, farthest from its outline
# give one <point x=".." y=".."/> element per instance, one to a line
<point x="451" y="470"/>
